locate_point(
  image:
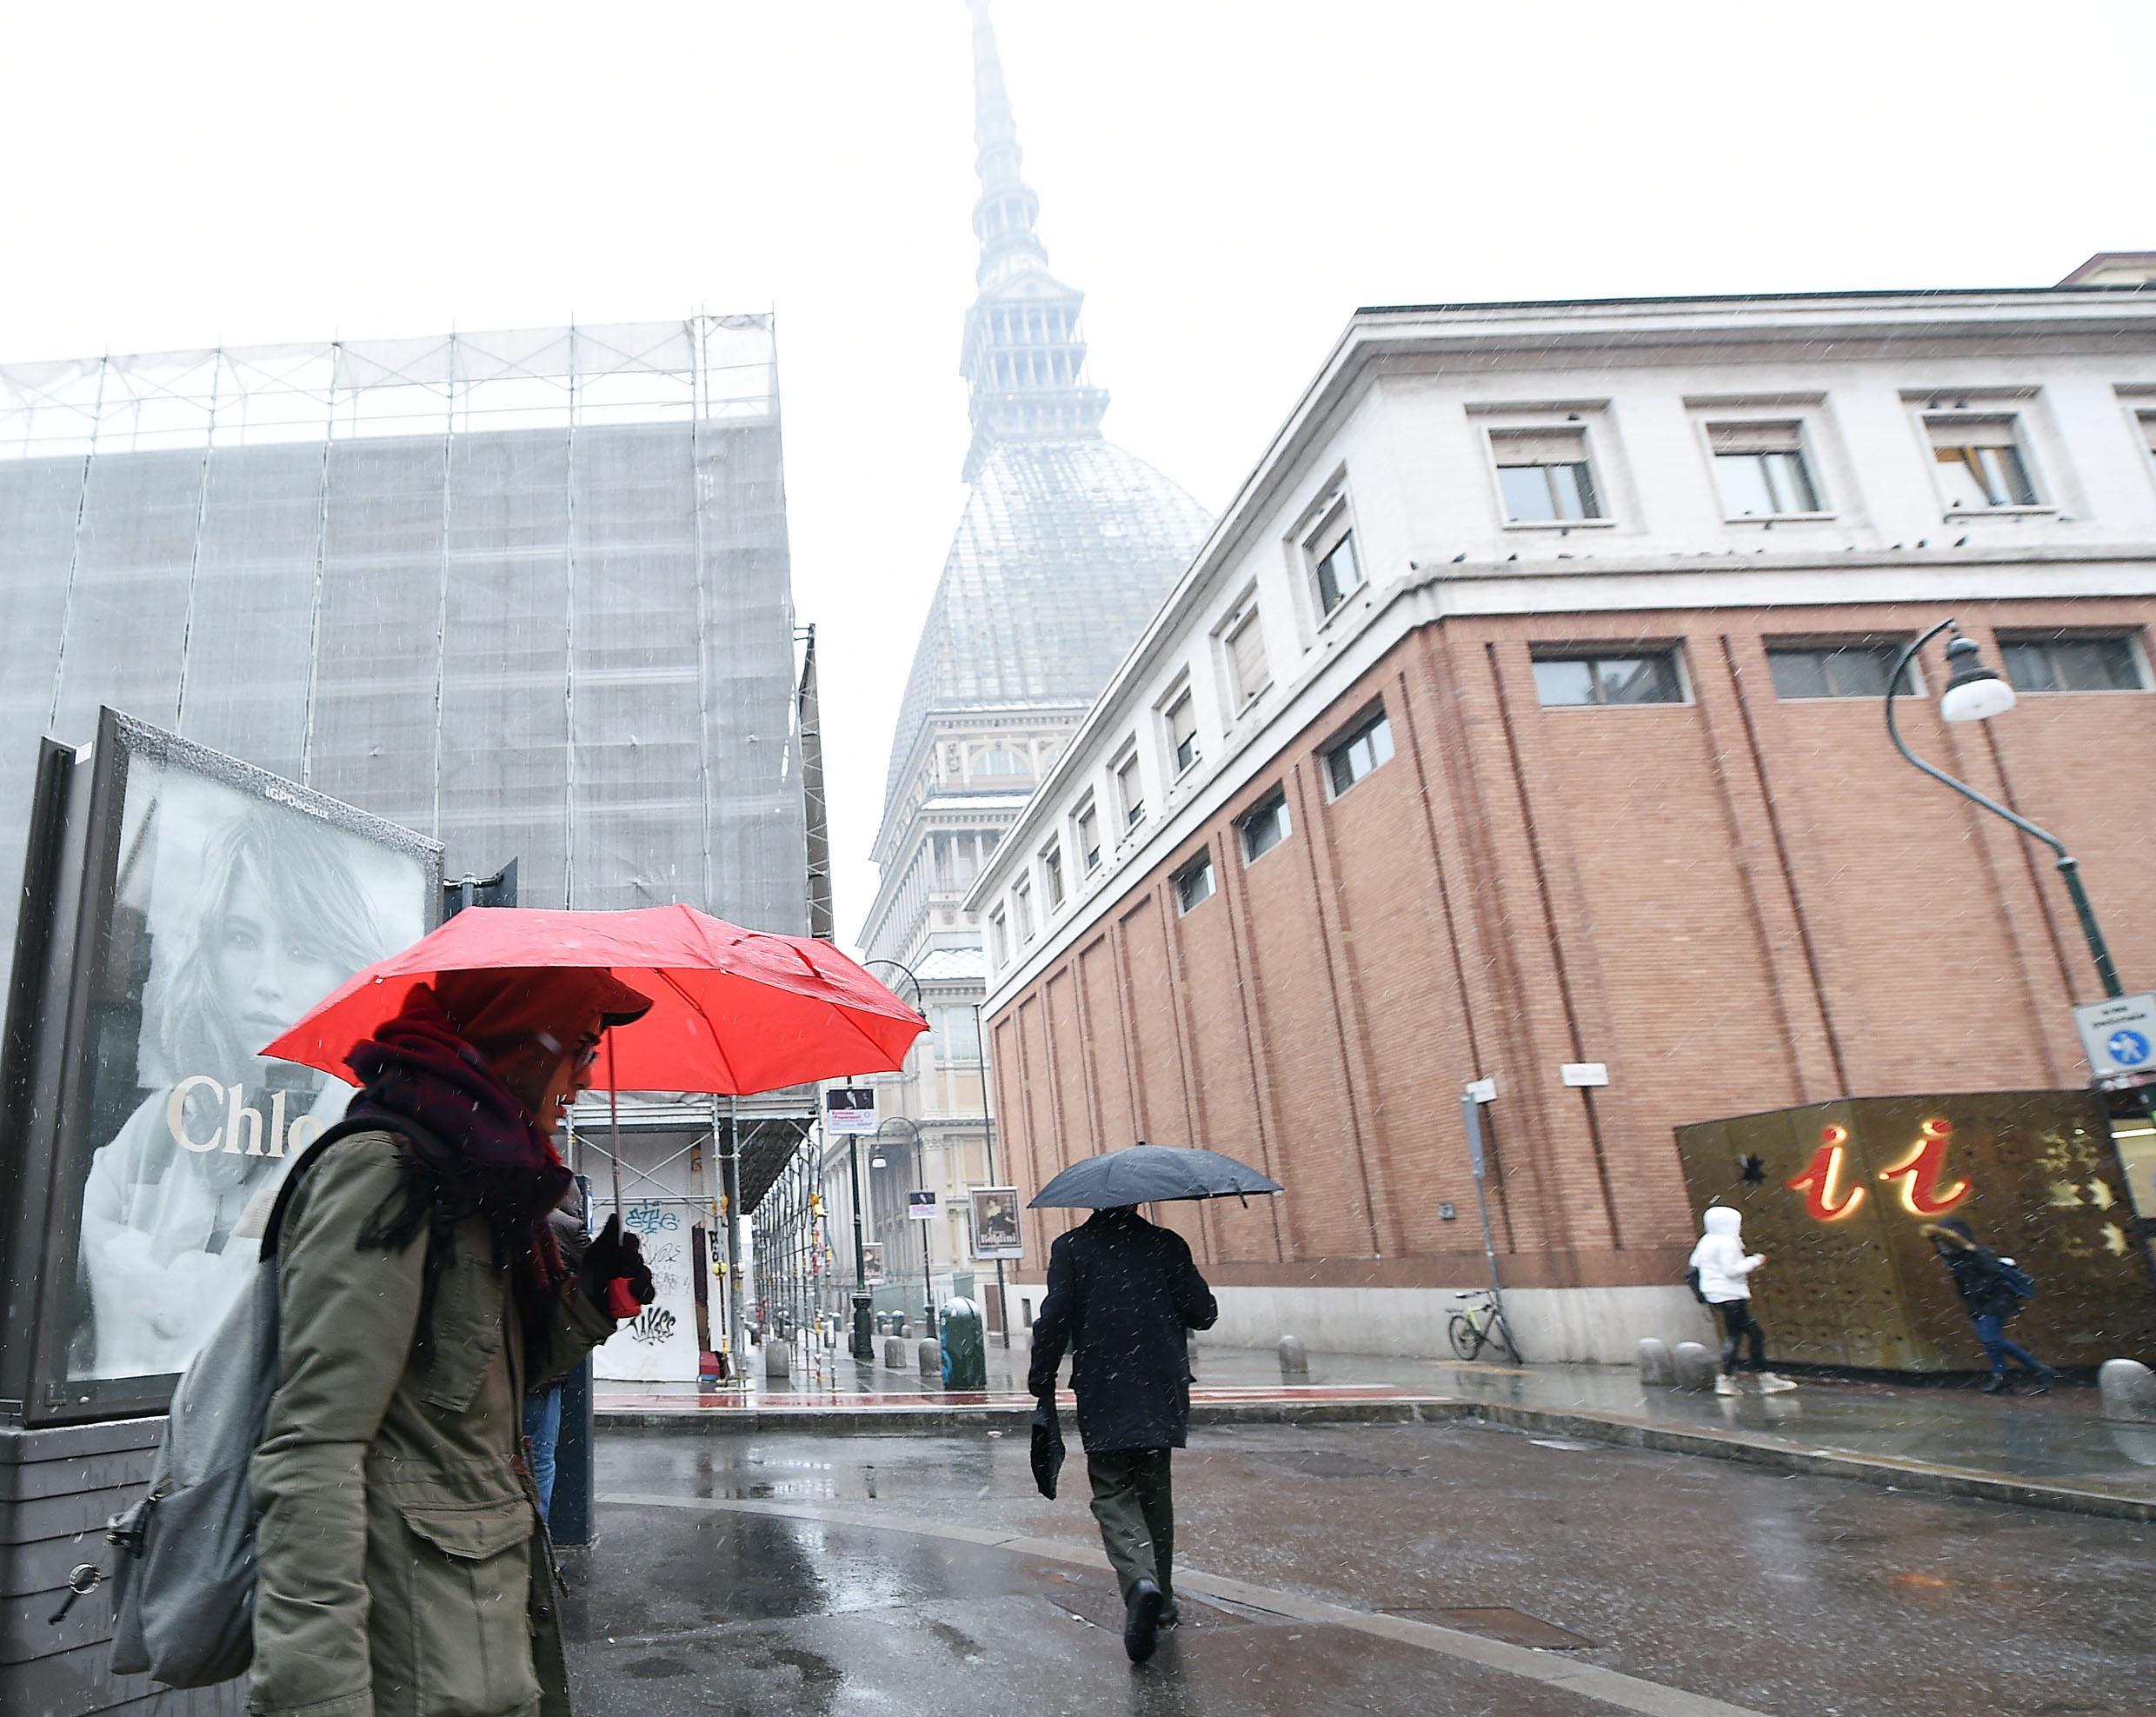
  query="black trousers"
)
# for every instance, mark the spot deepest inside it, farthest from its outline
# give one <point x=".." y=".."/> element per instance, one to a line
<point x="1134" y="1503"/>
<point x="1740" y="1328"/>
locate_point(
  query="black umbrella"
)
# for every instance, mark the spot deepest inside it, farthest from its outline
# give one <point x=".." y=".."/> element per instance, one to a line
<point x="1145" y="1174"/>
<point x="1047" y="1448"/>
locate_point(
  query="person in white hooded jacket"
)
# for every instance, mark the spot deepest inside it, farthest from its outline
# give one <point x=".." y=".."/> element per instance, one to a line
<point x="1724" y="1282"/>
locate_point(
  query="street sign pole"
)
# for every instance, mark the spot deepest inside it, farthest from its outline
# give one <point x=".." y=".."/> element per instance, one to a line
<point x="1471" y="1102"/>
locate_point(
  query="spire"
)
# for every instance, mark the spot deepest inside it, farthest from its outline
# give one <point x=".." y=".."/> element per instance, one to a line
<point x="1024" y="358"/>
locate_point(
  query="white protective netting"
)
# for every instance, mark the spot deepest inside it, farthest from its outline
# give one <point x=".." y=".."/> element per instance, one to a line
<point x="527" y="591"/>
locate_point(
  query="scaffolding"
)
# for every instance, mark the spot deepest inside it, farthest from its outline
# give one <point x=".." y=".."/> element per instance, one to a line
<point x="528" y="592"/>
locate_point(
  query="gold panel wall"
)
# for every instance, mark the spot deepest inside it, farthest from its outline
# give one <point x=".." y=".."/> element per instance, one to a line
<point x="1836" y="1195"/>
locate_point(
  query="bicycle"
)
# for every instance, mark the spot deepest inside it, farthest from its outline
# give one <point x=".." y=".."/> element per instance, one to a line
<point x="1480" y="1324"/>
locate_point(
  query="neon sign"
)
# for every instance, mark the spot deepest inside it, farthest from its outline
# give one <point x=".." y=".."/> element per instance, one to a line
<point x="1825" y="1174"/>
<point x="1922" y="1173"/>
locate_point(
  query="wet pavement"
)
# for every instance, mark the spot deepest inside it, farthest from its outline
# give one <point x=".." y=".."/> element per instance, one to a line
<point x="1338" y="1569"/>
<point x="2053" y="1440"/>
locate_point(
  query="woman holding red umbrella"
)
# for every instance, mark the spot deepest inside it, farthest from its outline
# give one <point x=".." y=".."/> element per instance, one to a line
<point x="401" y="1571"/>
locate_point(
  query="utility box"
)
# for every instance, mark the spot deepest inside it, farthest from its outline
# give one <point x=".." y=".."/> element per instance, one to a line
<point x="965" y="1346"/>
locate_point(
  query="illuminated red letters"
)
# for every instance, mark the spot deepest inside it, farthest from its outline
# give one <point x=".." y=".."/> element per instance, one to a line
<point x="1823" y="1179"/>
<point x="1922" y="1173"/>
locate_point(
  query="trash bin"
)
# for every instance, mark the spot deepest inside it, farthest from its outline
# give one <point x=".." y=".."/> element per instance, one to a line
<point x="965" y="1346"/>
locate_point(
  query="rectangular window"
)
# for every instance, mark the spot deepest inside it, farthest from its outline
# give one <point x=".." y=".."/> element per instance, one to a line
<point x="1564" y="679"/>
<point x="2148" y="432"/>
<point x="1052" y="871"/>
<point x="1338" y="573"/>
<point x="1264" y="826"/>
<point x="1247" y="672"/>
<point x="1182" y="732"/>
<point x="1130" y="791"/>
<point x="1857" y="668"/>
<point x="1544" y="475"/>
<point x="1365" y="745"/>
<point x="2073" y="664"/>
<point x="1089" y="836"/>
<point x="957" y="1036"/>
<point x="1021" y="908"/>
<point x="1761" y="471"/>
<point x="999" y="938"/>
<point x="1193" y="883"/>
<point x="1980" y="462"/>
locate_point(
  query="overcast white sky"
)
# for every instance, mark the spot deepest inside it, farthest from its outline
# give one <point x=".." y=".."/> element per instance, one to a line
<point x="1226" y="179"/>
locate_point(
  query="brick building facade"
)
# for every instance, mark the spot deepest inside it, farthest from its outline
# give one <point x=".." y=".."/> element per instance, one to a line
<point x="1627" y="799"/>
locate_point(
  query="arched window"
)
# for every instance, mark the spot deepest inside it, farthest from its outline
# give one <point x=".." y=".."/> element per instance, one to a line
<point x="1001" y="763"/>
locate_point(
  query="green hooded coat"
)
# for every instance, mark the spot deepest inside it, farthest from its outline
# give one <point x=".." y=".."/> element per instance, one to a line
<point x="401" y="1570"/>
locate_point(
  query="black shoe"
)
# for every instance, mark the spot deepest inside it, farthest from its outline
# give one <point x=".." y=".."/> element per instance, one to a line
<point x="1142" y="1621"/>
<point x="2041" y="1380"/>
<point x="1999" y="1384"/>
<point x="1171" y="1614"/>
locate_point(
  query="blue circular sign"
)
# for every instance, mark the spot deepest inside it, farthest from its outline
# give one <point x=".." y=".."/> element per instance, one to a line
<point x="2128" y="1048"/>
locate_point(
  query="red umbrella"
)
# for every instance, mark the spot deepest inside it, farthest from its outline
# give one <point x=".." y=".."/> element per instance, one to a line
<point x="733" y="1010"/>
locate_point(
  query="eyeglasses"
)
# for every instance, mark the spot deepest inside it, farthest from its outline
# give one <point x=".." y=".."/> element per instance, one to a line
<point x="587" y="1054"/>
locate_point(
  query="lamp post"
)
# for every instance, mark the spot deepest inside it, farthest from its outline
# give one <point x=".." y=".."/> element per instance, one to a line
<point x="1974" y="693"/>
<point x="863" y="1330"/>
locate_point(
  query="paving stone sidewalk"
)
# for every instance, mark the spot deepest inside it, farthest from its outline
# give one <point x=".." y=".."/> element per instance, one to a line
<point x="2050" y="1451"/>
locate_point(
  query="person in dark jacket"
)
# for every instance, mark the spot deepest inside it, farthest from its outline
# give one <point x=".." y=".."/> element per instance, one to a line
<point x="1122" y="1295"/>
<point x="542" y="1407"/>
<point x="1983" y="1287"/>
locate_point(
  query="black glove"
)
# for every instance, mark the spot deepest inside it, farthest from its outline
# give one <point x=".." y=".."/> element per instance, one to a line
<point x="614" y="1272"/>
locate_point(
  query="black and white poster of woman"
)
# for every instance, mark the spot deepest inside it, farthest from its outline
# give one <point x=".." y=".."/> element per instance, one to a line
<point x="230" y="912"/>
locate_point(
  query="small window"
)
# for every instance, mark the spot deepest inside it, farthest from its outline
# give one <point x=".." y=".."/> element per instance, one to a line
<point x="999" y="937"/>
<point x="1645" y="676"/>
<point x="1089" y="836"/>
<point x="1130" y="791"/>
<point x="1365" y="745"/>
<point x="1193" y="882"/>
<point x="2148" y="432"/>
<point x="1338" y="574"/>
<point x="1052" y="873"/>
<point x="1761" y="471"/>
<point x="1264" y="826"/>
<point x="1182" y="732"/>
<point x="1336" y="569"/>
<point x="1247" y="672"/>
<point x="2073" y="664"/>
<point x="1021" y="908"/>
<point x="1001" y="764"/>
<point x="1858" y="669"/>
<point x="1544" y="475"/>
<point x="1980" y="464"/>
<point x="957" y="1031"/>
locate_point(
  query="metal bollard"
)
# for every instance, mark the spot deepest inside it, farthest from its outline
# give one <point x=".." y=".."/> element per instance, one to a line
<point x="1294" y="1360"/>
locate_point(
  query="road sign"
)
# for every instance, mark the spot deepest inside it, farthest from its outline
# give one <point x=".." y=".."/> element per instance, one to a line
<point x="1585" y="1073"/>
<point x="2119" y="1035"/>
<point x="921" y="1207"/>
<point x="849" y="1108"/>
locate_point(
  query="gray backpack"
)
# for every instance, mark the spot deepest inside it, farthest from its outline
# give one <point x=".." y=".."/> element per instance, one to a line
<point x="183" y="1583"/>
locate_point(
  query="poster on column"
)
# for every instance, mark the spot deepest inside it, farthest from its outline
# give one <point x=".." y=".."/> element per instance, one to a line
<point x="217" y="903"/>
<point x="659" y="1344"/>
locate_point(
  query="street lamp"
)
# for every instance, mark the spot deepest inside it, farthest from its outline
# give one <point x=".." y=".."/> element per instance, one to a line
<point x="1975" y="693"/>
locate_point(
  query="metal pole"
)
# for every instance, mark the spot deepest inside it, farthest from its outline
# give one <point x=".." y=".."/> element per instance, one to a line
<point x="2068" y="867"/>
<point x="613" y="1118"/>
<point x="863" y="1341"/>
<point x="730" y="1169"/>
<point x="987" y="1121"/>
<point x="1472" y="1111"/>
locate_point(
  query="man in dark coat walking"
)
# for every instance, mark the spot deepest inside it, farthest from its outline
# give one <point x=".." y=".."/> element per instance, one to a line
<point x="1122" y="1295"/>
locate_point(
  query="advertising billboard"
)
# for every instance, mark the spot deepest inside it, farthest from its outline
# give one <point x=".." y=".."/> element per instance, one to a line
<point x="995" y="1227"/>
<point x="203" y="906"/>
